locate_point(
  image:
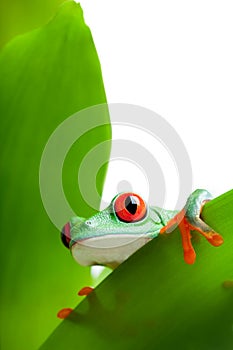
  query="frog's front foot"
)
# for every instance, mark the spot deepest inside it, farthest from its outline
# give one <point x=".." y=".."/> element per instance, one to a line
<point x="190" y="219"/>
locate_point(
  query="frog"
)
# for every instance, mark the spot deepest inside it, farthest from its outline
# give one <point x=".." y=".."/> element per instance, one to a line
<point x="112" y="235"/>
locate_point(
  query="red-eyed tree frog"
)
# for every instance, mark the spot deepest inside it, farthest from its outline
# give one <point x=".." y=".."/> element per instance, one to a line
<point x="112" y="235"/>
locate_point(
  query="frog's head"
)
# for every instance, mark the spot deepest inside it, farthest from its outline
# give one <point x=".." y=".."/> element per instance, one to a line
<point x="110" y="236"/>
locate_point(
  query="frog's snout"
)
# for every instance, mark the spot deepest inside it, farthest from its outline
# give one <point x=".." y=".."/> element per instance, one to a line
<point x="65" y="235"/>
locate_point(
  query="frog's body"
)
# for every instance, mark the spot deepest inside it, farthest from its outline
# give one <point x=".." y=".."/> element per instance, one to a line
<point x="112" y="235"/>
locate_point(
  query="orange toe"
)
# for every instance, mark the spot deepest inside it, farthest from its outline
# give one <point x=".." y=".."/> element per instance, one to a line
<point x="63" y="313"/>
<point x="190" y="256"/>
<point x="215" y="239"/>
<point x="85" y="291"/>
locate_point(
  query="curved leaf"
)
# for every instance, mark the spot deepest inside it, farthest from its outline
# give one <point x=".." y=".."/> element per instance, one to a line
<point x="46" y="75"/>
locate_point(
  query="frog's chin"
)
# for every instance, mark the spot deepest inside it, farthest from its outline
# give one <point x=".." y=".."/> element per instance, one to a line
<point x="108" y="250"/>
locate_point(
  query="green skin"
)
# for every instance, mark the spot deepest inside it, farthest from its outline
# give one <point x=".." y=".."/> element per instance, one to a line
<point x="104" y="239"/>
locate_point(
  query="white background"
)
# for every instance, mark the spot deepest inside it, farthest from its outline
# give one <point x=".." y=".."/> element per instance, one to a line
<point x="176" y="58"/>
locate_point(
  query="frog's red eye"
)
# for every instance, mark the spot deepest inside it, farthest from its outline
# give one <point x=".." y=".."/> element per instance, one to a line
<point x="130" y="207"/>
<point x="65" y="235"/>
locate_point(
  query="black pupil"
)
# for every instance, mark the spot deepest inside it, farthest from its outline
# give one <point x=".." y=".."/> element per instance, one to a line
<point x="131" y="204"/>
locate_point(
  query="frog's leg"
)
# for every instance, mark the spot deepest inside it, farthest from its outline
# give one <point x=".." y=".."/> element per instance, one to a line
<point x="190" y="219"/>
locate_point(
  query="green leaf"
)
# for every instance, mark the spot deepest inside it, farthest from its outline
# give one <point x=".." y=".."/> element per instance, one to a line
<point x="20" y="16"/>
<point x="156" y="301"/>
<point x="46" y="75"/>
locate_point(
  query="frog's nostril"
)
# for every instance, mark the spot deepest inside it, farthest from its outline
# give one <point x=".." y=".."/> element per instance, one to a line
<point x="65" y="235"/>
<point x="88" y="223"/>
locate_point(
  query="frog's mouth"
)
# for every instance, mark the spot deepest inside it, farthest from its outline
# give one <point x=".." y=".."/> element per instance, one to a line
<point x="110" y="250"/>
